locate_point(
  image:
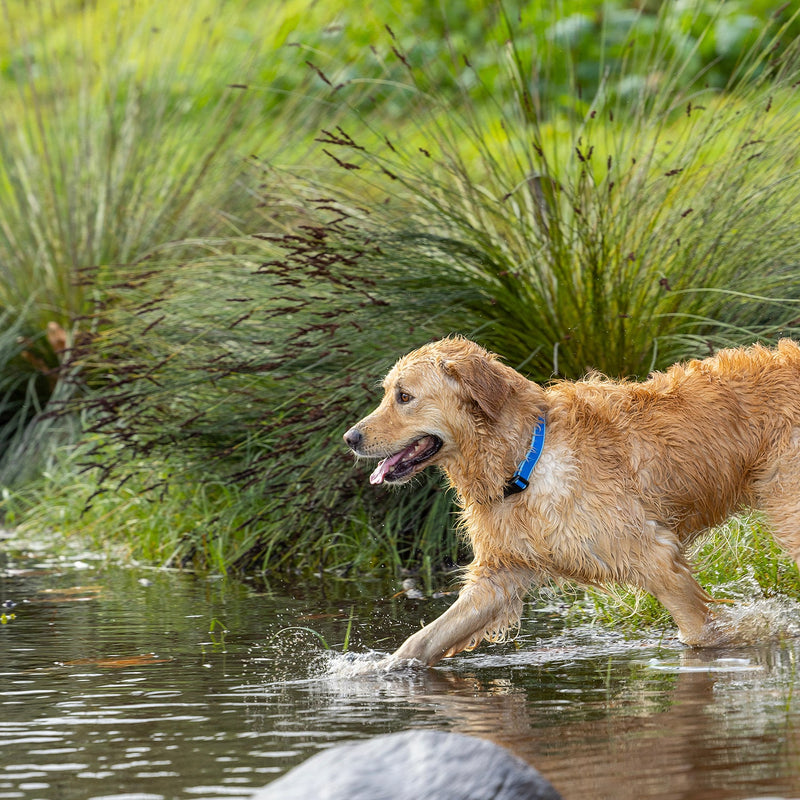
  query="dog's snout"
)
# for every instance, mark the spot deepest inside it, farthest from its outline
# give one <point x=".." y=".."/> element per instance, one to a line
<point x="353" y="438"/>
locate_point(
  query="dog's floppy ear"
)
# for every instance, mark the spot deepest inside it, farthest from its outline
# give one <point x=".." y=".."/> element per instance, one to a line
<point x="486" y="381"/>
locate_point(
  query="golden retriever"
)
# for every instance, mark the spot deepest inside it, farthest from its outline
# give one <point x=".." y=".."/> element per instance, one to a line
<point x="629" y="474"/>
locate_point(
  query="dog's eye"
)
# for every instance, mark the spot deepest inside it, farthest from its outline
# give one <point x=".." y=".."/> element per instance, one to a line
<point x="404" y="397"/>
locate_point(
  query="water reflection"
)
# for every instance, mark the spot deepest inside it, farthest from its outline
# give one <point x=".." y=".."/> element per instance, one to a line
<point x="155" y="685"/>
<point x="658" y="723"/>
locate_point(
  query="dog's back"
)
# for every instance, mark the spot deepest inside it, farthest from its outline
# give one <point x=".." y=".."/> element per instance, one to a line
<point x="698" y="439"/>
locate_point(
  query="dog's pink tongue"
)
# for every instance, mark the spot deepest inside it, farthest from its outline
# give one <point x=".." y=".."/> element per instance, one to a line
<point x="383" y="467"/>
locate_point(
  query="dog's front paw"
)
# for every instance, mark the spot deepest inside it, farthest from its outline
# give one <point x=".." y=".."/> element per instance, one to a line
<point x="415" y="651"/>
<point x="396" y="663"/>
<point x="715" y="632"/>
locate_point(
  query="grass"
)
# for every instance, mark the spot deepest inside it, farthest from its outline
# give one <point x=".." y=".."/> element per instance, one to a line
<point x="125" y="130"/>
<point x="250" y="261"/>
<point x="99" y="164"/>
<point x="620" y="240"/>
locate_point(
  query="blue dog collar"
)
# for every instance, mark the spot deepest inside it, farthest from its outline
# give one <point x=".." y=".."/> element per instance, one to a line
<point x="521" y="479"/>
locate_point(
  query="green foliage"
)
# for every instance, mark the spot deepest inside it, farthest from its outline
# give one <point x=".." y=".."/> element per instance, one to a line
<point x="204" y="375"/>
<point x="570" y="186"/>
<point x="622" y="240"/>
<point x="102" y="163"/>
<point x="112" y="148"/>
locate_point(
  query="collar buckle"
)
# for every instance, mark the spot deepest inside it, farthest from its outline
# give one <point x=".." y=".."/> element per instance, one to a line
<point x="516" y="485"/>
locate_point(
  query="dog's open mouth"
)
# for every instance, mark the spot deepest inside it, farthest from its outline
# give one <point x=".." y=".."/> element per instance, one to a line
<point x="409" y="460"/>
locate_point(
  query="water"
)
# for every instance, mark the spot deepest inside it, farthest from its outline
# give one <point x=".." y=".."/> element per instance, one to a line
<point x="131" y="683"/>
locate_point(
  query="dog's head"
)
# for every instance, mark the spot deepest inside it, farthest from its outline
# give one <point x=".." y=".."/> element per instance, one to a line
<point x="435" y="399"/>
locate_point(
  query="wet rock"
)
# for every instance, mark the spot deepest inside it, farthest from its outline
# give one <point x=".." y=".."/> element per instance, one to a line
<point x="413" y="765"/>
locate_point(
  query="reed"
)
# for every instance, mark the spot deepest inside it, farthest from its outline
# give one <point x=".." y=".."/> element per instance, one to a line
<point x="124" y="130"/>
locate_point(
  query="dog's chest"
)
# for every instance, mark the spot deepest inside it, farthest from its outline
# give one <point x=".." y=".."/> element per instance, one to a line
<point x="525" y="525"/>
<point x="554" y="480"/>
<point x="560" y="525"/>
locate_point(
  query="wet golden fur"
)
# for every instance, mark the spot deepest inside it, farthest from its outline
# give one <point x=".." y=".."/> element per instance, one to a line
<point x="629" y="475"/>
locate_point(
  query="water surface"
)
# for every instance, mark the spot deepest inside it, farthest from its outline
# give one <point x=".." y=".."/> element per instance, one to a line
<point x="131" y="683"/>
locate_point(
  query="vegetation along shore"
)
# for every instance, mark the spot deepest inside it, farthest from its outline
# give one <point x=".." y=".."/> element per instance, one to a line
<point x="218" y="223"/>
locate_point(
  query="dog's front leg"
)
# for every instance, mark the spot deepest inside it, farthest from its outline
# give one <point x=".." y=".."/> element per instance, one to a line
<point x="489" y="604"/>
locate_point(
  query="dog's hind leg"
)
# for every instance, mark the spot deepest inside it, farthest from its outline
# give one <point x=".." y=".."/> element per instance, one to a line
<point x="669" y="578"/>
<point x="778" y="496"/>
<point x="489" y="604"/>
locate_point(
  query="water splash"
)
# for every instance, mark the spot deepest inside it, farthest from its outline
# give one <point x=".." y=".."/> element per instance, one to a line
<point x="744" y="623"/>
<point x="759" y="621"/>
<point x="343" y="666"/>
<point x="689" y="664"/>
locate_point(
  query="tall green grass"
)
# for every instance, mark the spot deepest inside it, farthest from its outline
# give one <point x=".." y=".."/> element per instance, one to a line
<point x="618" y="219"/>
<point x="652" y="220"/>
<point x="102" y="161"/>
<point x="125" y="130"/>
<point x="643" y="227"/>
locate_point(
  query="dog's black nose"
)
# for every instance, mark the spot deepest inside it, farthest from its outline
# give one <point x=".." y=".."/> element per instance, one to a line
<point x="353" y="438"/>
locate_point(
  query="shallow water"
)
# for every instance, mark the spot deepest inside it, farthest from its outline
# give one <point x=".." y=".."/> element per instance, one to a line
<point x="130" y="683"/>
